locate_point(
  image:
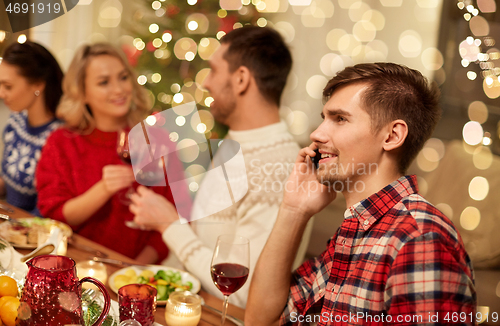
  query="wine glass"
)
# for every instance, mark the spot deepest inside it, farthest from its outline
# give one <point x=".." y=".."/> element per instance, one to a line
<point x="230" y="266"/>
<point x="122" y="149"/>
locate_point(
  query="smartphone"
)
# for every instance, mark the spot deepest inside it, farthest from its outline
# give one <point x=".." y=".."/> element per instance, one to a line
<point x="316" y="158"/>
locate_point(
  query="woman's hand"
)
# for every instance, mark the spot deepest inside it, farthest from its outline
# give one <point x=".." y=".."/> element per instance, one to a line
<point x="151" y="210"/>
<point x="117" y="177"/>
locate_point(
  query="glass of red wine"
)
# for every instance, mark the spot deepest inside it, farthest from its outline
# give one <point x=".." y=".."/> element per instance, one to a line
<point x="123" y="151"/>
<point x="230" y="266"/>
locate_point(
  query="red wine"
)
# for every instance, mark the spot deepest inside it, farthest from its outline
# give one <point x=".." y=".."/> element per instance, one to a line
<point x="125" y="157"/>
<point x="229" y="278"/>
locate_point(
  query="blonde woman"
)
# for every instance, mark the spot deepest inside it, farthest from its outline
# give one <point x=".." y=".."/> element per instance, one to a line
<point x="80" y="174"/>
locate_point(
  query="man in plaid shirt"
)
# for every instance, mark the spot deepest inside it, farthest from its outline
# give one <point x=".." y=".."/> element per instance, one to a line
<point x="395" y="259"/>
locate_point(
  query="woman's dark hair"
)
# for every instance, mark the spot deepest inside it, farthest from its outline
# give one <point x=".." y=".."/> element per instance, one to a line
<point x="37" y="64"/>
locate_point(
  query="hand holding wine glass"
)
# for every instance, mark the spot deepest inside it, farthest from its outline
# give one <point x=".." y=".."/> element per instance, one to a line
<point x="230" y="266"/>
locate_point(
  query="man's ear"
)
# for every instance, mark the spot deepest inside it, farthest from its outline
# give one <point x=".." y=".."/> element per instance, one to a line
<point x="397" y="131"/>
<point x="242" y="77"/>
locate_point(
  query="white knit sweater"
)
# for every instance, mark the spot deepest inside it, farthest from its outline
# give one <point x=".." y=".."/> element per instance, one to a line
<point x="269" y="153"/>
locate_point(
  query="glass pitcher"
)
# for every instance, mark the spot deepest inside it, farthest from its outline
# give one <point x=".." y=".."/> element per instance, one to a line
<point x="52" y="293"/>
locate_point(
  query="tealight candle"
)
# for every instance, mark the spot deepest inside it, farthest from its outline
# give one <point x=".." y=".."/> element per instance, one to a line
<point x="92" y="269"/>
<point x="183" y="309"/>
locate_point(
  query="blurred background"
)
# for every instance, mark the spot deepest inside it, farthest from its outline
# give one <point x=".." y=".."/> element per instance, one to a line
<point x="452" y="42"/>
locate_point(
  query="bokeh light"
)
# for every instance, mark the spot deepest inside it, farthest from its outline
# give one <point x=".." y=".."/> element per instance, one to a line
<point x="230" y="4"/>
<point x="491" y="87"/>
<point x="478" y="188"/>
<point x="470" y="218"/>
<point x="315" y="85"/>
<point x="299" y="123"/>
<point x="312" y="16"/>
<point x="410" y="44"/>
<point x="423" y="186"/>
<point x="478" y="111"/>
<point x="347" y="44"/>
<point x="142" y="80"/>
<point x="357" y="10"/>
<point x="472" y="133"/>
<point x="197" y="24"/>
<point x="427" y="3"/>
<point x="446" y="209"/>
<point x="154" y="28"/>
<point x="156" y="78"/>
<point x="187" y="150"/>
<point x="207" y="47"/>
<point x="376" y="18"/>
<point x="201" y="75"/>
<point x="433" y="150"/>
<point x="432" y="59"/>
<point x="479" y="26"/>
<point x="185" y="47"/>
<point x="487" y="5"/>
<point x="299" y="2"/>
<point x="471" y="75"/>
<point x="196" y="172"/>
<point x="333" y="37"/>
<point x="468" y="51"/>
<point x="110" y="14"/>
<point x="286" y="30"/>
<point x="364" y="31"/>
<point x="391" y="3"/>
<point x="166" y="37"/>
<point x="345" y="4"/>
<point x="156" y="5"/>
<point x="425" y="164"/>
<point x="482" y="158"/>
<point x="205" y="117"/>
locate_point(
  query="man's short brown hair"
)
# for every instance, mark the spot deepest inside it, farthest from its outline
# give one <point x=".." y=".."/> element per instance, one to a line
<point x="394" y="92"/>
<point x="263" y="51"/>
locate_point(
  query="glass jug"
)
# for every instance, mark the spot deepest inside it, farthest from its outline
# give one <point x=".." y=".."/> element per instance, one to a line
<point x="52" y="293"/>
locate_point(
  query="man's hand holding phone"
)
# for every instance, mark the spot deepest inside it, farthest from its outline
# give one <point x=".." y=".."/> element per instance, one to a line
<point x="303" y="192"/>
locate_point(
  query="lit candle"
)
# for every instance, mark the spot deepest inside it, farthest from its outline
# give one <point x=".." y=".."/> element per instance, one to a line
<point x="93" y="269"/>
<point x="183" y="309"/>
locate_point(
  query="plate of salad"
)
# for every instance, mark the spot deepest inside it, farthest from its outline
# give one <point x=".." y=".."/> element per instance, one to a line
<point x="165" y="279"/>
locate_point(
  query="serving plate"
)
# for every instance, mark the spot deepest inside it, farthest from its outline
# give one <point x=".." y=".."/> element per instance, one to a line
<point x="186" y="277"/>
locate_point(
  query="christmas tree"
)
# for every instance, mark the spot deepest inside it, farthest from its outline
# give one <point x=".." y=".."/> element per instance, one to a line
<point x="172" y="41"/>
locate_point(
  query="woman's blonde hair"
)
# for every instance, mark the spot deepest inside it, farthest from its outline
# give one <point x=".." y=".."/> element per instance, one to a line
<point x="73" y="109"/>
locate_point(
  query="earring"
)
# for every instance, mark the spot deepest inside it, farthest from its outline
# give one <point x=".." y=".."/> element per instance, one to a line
<point x="37" y="93"/>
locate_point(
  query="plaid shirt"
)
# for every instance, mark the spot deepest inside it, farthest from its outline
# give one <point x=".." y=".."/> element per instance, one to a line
<point x="395" y="259"/>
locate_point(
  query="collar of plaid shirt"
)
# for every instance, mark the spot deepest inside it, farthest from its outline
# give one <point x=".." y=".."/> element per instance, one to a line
<point x="390" y="247"/>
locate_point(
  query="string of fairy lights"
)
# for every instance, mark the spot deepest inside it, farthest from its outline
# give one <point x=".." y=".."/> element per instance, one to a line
<point x="479" y="47"/>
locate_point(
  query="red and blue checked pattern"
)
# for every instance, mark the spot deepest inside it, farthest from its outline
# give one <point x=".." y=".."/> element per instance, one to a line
<point x="395" y="260"/>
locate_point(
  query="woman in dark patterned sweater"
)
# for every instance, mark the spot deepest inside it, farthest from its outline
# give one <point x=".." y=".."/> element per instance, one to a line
<point x="30" y="86"/>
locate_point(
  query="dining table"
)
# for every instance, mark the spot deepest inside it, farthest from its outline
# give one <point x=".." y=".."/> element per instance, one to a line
<point x="82" y="249"/>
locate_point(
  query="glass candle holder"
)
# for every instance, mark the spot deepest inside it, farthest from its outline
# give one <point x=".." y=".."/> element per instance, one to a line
<point x="183" y="309"/>
<point x="137" y="302"/>
<point x="92" y="269"/>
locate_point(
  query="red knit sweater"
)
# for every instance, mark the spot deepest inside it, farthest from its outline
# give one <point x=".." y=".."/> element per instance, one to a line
<point x="72" y="163"/>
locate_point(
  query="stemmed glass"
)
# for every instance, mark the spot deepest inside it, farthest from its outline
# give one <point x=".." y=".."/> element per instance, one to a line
<point x="122" y="149"/>
<point x="230" y="266"/>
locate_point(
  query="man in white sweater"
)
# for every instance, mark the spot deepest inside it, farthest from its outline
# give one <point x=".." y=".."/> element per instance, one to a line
<point x="248" y="74"/>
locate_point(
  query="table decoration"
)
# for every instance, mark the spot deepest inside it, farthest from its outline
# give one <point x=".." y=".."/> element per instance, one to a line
<point x="90" y="268"/>
<point x="137" y="302"/>
<point x="183" y="309"/>
<point x="52" y="293"/>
